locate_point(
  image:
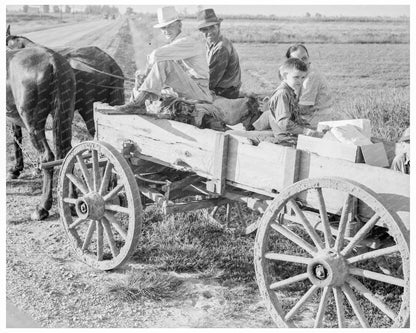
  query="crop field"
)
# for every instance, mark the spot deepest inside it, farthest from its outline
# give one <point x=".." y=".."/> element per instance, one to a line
<point x="188" y="271"/>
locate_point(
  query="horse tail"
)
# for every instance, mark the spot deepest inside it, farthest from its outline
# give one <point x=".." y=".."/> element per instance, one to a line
<point x="63" y="104"/>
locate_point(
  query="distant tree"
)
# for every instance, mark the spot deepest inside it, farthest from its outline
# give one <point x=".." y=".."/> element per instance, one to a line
<point x="317" y="15"/>
<point x="56" y="9"/>
<point x="45" y="9"/>
<point x="25" y="8"/>
<point x="93" y="9"/>
<point x="67" y="9"/>
<point x="308" y="14"/>
<point x="129" y="10"/>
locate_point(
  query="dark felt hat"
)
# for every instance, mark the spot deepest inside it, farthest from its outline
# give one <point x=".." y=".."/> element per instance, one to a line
<point x="206" y="18"/>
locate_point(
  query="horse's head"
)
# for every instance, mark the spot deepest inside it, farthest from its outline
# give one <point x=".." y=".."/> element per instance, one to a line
<point x="16" y="42"/>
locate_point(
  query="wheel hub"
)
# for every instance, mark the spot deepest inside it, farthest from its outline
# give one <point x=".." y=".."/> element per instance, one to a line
<point x="329" y="269"/>
<point x="90" y="206"/>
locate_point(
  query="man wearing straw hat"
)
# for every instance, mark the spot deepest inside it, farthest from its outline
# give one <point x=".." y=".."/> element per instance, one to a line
<point x="180" y="65"/>
<point x="224" y="65"/>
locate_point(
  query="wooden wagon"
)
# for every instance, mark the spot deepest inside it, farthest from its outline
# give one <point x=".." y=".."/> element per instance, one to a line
<point x="333" y="239"/>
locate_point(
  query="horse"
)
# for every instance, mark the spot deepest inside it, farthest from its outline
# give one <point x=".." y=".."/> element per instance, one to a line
<point x="39" y="83"/>
<point x="98" y="76"/>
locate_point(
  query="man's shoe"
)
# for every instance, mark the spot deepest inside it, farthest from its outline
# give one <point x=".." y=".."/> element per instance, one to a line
<point x="138" y="106"/>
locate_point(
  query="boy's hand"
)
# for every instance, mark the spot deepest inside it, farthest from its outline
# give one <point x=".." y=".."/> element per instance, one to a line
<point x="313" y="133"/>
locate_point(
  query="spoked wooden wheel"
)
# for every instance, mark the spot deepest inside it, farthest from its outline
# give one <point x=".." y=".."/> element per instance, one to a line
<point x="313" y="271"/>
<point x="108" y="214"/>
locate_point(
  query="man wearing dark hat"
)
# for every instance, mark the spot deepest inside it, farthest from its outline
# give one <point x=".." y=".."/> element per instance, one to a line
<point x="180" y="66"/>
<point x="224" y="65"/>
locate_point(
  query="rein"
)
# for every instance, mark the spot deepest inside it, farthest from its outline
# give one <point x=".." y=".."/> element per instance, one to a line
<point x="105" y="73"/>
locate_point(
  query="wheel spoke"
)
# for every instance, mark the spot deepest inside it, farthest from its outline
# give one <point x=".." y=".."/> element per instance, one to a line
<point x="329" y="241"/>
<point x="85" y="172"/>
<point x="286" y="282"/>
<point x="106" y="178"/>
<point x="88" y="237"/>
<point x="309" y="228"/>
<point x="96" y="170"/>
<point x="100" y="241"/>
<point x="377" y="276"/>
<point x="70" y="200"/>
<point x="77" y="182"/>
<point x="116" y="224"/>
<point x="343" y="222"/>
<point x="109" y="235"/>
<point x="340" y="307"/>
<point x="360" y="234"/>
<point x="294" y="238"/>
<point x="322" y="307"/>
<point x="371" y="297"/>
<point x="302" y="301"/>
<point x="113" y="192"/>
<point x="287" y="257"/>
<point x="117" y="208"/>
<point x="355" y="306"/>
<point x="75" y="223"/>
<point x="373" y="254"/>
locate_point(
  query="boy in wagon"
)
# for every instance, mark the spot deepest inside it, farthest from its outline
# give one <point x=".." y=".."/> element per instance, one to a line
<point x="284" y="115"/>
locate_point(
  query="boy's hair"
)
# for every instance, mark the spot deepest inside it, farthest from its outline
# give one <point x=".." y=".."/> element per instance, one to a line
<point x="292" y="63"/>
<point x="294" y="48"/>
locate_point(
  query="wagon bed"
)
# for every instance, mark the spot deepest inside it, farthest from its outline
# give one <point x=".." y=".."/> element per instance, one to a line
<point x="345" y="218"/>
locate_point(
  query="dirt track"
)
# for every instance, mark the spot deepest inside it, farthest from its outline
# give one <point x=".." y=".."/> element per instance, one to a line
<point x="45" y="280"/>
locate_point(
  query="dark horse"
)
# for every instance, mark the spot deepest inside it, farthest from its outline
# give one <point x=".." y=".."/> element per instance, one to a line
<point x="98" y="77"/>
<point x="39" y="83"/>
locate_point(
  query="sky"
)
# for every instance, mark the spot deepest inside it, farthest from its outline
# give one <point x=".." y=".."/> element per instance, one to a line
<point x="279" y="8"/>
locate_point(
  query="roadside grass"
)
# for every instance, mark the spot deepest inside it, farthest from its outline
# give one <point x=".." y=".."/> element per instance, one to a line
<point x="191" y="242"/>
<point x="146" y="284"/>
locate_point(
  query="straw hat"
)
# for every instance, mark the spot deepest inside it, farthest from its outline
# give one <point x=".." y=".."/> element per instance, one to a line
<point x="166" y="16"/>
<point x="207" y="17"/>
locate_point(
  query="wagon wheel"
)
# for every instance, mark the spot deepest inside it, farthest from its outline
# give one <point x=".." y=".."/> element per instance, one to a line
<point x="312" y="273"/>
<point x="108" y="214"/>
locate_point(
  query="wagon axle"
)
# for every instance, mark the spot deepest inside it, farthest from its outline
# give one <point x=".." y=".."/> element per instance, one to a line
<point x="330" y="269"/>
<point x="90" y="206"/>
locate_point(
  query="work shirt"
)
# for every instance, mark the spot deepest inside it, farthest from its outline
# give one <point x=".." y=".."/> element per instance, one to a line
<point x="187" y="52"/>
<point x="285" y="119"/>
<point x="224" y="65"/>
<point x="315" y="90"/>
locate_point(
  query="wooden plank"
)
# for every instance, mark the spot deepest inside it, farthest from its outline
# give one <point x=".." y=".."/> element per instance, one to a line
<point x="392" y="188"/>
<point x="267" y="167"/>
<point x="194" y="205"/>
<point x="328" y="148"/>
<point x="217" y="184"/>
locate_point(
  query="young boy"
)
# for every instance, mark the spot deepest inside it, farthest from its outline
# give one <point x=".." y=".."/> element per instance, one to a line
<point x="284" y="116"/>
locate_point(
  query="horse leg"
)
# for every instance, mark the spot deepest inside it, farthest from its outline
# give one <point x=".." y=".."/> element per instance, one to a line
<point x="39" y="141"/>
<point x="15" y="171"/>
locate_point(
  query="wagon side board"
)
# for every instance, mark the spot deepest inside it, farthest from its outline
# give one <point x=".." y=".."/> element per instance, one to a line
<point x="265" y="169"/>
<point x="392" y="187"/>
